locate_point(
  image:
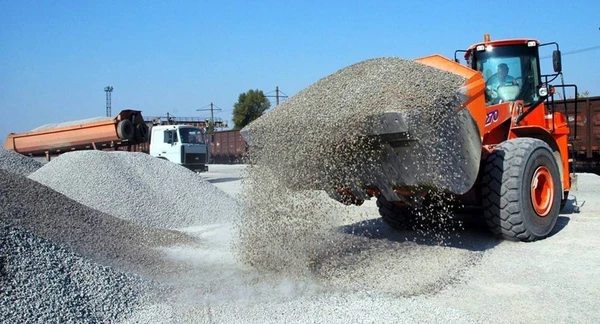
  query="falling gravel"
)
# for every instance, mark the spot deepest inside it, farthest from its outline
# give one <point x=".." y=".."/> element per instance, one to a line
<point x="319" y="140"/>
<point x="14" y="162"/>
<point x="43" y="282"/>
<point x="138" y="187"/>
<point x="71" y="123"/>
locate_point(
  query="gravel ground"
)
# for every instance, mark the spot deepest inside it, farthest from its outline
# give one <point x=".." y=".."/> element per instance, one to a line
<point x="17" y="163"/>
<point x="43" y="282"/>
<point x="392" y="276"/>
<point x="137" y="187"/>
<point x="71" y="123"/>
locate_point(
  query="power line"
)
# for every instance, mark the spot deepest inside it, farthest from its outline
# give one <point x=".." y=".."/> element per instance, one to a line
<point x="212" y="115"/>
<point x="581" y="50"/>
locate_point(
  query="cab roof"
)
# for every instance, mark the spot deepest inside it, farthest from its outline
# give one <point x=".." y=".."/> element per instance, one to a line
<point x="501" y="42"/>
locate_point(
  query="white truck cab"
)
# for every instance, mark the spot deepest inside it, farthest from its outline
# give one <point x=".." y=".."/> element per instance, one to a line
<point x="181" y="144"/>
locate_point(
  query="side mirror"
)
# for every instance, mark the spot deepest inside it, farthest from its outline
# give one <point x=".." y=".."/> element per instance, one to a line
<point x="556" y="61"/>
<point x="169" y="137"/>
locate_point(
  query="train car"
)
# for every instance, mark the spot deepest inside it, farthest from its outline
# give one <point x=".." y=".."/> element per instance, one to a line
<point x="227" y="147"/>
<point x="584" y="124"/>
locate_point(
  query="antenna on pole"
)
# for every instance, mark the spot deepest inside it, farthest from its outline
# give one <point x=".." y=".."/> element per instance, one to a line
<point x="108" y="91"/>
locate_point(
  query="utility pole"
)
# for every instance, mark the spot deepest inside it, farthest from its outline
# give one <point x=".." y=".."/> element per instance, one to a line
<point x="108" y="91"/>
<point x="211" y="123"/>
<point x="277" y="95"/>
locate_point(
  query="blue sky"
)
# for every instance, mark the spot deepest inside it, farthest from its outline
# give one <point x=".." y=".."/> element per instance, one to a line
<point x="56" y="57"/>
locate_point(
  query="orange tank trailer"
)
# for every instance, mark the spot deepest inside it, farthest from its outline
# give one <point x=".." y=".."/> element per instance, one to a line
<point x="126" y="129"/>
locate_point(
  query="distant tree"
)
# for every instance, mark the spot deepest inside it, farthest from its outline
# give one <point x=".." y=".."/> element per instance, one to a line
<point x="584" y="94"/>
<point x="250" y="106"/>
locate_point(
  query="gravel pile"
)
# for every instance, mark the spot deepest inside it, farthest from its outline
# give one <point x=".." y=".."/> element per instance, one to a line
<point x="43" y="282"/>
<point x="14" y="162"/>
<point x="33" y="207"/>
<point x="137" y="187"/>
<point x="71" y="123"/>
<point x="316" y="140"/>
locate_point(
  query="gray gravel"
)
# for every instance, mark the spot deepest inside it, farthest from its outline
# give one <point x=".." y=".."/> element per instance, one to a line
<point x="316" y="138"/>
<point x="42" y="282"/>
<point x="397" y="276"/>
<point x="137" y="187"/>
<point x="71" y="123"/>
<point x="31" y="206"/>
<point x="17" y="163"/>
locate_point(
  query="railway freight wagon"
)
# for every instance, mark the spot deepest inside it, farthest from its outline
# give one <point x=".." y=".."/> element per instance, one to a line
<point x="584" y="123"/>
<point x="227" y="147"/>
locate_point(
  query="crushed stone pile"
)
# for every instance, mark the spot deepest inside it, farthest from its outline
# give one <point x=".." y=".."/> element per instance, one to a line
<point x="17" y="163"/>
<point x="315" y="140"/>
<point x="139" y="188"/>
<point x="43" y="282"/>
<point x="31" y="206"/>
<point x="71" y="123"/>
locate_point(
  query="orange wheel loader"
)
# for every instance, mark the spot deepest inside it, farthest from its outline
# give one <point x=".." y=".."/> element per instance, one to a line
<point x="513" y="157"/>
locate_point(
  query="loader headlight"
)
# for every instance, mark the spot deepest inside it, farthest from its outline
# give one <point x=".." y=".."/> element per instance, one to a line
<point x="531" y="44"/>
<point x="487" y="48"/>
<point x="543" y="92"/>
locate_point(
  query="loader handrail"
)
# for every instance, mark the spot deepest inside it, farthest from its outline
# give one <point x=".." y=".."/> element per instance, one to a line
<point x="530" y="110"/>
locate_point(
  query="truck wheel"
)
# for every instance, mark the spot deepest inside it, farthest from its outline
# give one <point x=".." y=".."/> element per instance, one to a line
<point x="521" y="190"/>
<point x="400" y="218"/>
<point x="125" y="129"/>
<point x="141" y="132"/>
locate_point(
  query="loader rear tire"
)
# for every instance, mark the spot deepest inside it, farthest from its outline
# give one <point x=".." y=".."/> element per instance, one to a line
<point x="521" y="190"/>
<point x="400" y="218"/>
<point x="125" y="129"/>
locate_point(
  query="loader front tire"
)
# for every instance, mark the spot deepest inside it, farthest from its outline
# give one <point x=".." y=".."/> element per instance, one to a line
<point x="521" y="190"/>
<point x="400" y="218"/>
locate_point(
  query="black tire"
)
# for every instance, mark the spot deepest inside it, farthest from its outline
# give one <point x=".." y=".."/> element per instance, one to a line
<point x="506" y="190"/>
<point x="125" y="129"/>
<point x="400" y="218"/>
<point x="141" y="133"/>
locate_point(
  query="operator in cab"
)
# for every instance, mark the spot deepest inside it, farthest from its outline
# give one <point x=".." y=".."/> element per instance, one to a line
<point x="499" y="79"/>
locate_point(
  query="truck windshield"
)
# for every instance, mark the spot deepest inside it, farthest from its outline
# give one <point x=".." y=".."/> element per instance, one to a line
<point x="511" y="72"/>
<point x="191" y="135"/>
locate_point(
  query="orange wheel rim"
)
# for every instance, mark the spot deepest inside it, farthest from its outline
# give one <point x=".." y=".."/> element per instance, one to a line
<point x="542" y="191"/>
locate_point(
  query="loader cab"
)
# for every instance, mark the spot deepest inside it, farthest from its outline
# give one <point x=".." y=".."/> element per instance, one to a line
<point x="511" y="70"/>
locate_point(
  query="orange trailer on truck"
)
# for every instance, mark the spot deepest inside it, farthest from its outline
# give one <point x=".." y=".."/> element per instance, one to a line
<point x="127" y="128"/>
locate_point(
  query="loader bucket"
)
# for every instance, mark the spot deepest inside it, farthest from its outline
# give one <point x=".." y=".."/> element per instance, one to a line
<point x="438" y="148"/>
<point x="425" y="120"/>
